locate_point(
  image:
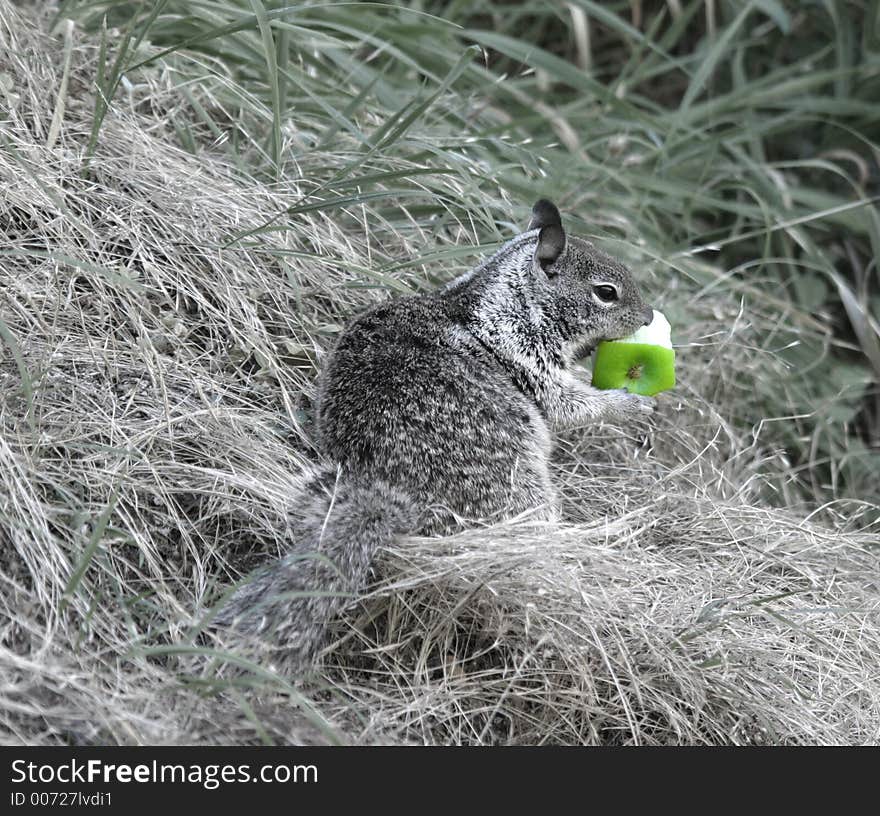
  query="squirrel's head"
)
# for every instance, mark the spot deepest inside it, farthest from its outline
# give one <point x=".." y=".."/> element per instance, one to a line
<point x="596" y="296"/>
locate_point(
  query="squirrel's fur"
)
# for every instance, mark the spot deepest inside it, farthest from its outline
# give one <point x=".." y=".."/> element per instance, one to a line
<point x="436" y="410"/>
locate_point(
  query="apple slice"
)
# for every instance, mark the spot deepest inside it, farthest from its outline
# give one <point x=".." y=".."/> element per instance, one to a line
<point x="643" y="363"/>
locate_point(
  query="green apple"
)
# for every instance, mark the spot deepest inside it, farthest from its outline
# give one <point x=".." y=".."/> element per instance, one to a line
<point x="643" y="363"/>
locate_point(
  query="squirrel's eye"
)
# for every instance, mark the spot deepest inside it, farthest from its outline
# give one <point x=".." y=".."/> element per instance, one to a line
<point x="605" y="293"/>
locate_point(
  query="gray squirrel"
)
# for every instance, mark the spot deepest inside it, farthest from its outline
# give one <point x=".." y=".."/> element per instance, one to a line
<point x="435" y="412"/>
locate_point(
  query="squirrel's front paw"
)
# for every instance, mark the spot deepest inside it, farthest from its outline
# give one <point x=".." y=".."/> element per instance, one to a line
<point x="626" y="406"/>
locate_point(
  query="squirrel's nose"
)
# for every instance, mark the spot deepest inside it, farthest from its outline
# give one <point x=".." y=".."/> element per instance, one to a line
<point x="649" y="315"/>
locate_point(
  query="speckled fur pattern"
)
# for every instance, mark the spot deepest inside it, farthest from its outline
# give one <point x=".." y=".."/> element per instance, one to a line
<point x="288" y="603"/>
<point x="437" y="410"/>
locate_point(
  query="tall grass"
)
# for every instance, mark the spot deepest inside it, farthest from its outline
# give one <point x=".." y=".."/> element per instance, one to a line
<point x="726" y="148"/>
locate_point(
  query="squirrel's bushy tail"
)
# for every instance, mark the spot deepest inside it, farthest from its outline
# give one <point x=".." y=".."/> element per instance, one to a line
<point x="288" y="603"/>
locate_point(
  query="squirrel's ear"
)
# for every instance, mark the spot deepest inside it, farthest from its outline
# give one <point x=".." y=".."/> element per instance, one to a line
<point x="551" y="242"/>
<point x="544" y="214"/>
<point x="551" y="238"/>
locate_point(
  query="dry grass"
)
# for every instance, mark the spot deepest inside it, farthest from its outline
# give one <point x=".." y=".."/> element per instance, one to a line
<point x="153" y="426"/>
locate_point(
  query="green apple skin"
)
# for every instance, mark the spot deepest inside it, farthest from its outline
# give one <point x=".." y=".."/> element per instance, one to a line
<point x="616" y="363"/>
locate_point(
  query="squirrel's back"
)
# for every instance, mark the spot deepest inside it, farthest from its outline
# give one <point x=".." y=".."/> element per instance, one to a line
<point x="409" y="398"/>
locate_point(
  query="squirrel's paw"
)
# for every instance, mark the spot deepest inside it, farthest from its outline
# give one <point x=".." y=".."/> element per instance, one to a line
<point x="626" y="406"/>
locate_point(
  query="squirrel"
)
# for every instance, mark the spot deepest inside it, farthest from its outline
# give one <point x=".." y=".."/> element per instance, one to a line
<point x="435" y="412"/>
